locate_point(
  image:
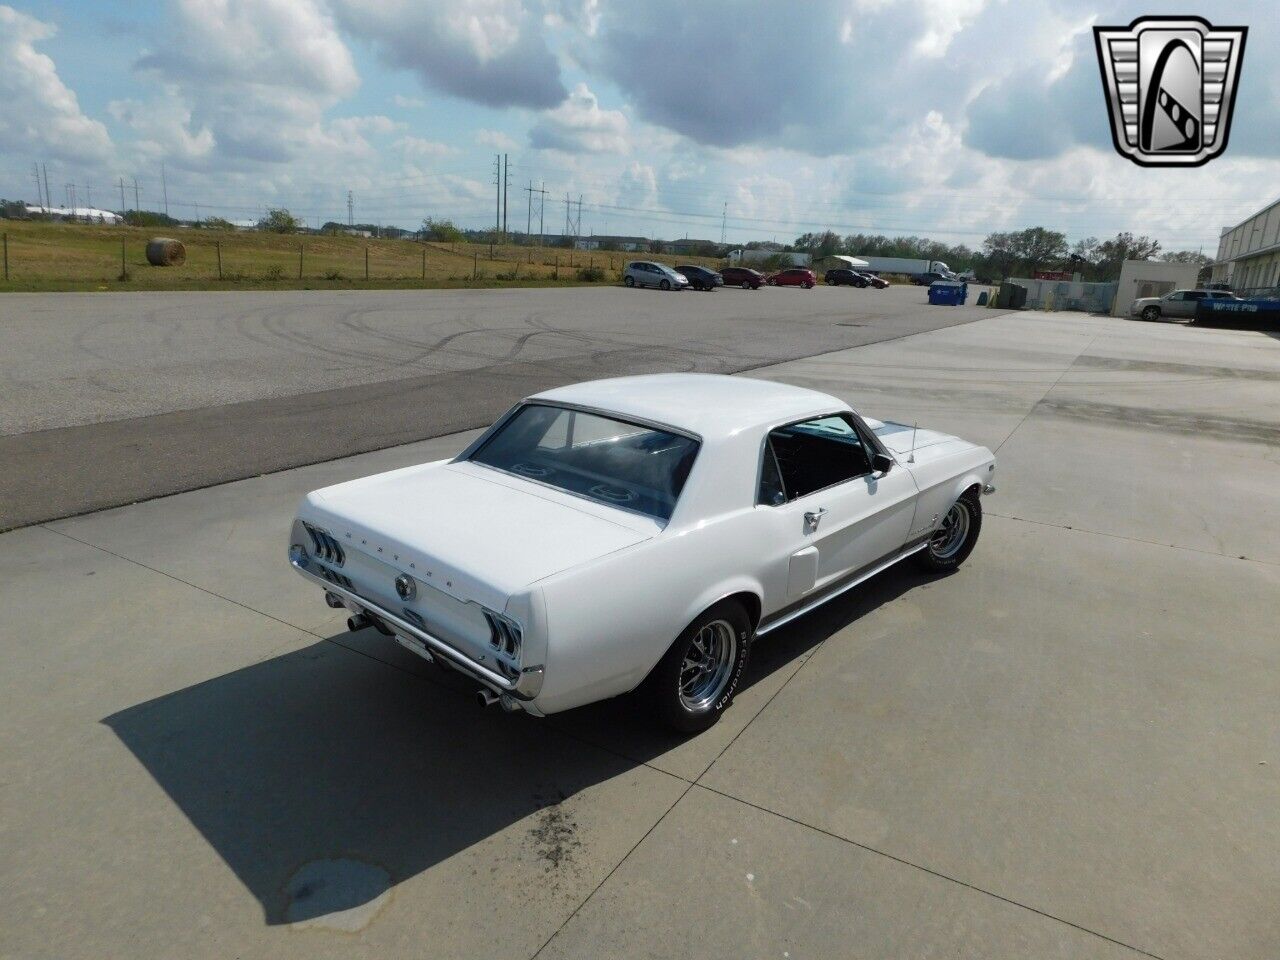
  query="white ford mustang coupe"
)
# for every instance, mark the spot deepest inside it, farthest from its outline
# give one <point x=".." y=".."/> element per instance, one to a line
<point x="639" y="532"/>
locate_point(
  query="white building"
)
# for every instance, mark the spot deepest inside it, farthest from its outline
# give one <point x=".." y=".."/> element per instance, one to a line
<point x="92" y="214"/>
<point x="1249" y="252"/>
<point x="1151" y="278"/>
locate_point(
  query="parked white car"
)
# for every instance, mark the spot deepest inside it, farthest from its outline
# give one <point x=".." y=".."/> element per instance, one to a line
<point x="645" y="273"/>
<point x="1178" y="303"/>
<point x="637" y="532"/>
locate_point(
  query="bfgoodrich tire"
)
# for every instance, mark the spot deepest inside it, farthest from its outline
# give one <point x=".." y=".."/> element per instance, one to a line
<point x="694" y="682"/>
<point x="954" y="540"/>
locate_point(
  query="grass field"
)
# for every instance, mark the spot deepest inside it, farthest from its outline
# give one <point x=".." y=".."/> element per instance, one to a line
<point x="64" y="256"/>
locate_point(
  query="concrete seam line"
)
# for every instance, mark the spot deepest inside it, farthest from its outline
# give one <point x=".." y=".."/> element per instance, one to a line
<point x="691" y="785"/>
<point x="1034" y="406"/>
<point x="1118" y="536"/>
<point x="930" y="871"/>
<point x="625" y="857"/>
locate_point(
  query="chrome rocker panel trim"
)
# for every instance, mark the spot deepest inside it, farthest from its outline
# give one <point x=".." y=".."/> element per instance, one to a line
<point x="842" y="587"/>
<point x="525" y="687"/>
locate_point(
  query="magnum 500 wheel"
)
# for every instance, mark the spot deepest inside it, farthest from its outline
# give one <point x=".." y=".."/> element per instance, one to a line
<point x="955" y="538"/>
<point x="694" y="682"/>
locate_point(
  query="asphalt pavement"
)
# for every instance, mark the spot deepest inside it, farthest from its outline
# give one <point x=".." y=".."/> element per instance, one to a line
<point x="111" y="399"/>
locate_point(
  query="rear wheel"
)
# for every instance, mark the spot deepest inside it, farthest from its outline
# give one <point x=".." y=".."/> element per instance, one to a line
<point x="955" y="538"/>
<point x="694" y="682"/>
<point x="630" y="281"/>
<point x="1150" y="313"/>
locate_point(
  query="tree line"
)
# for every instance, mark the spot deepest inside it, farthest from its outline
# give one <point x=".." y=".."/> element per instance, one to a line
<point x="1015" y="253"/>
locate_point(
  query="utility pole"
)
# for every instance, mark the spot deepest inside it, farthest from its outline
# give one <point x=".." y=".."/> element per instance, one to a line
<point x="578" y="232"/>
<point x="528" y="217"/>
<point x="35" y="168"/>
<point x="351" y="206"/>
<point x="497" y="183"/>
<point x="542" y="212"/>
<point x="88" y="193"/>
<point x="122" y="206"/>
<point x="164" y="185"/>
<point x="137" y="205"/>
<point x="506" y="189"/>
<point x="48" y="200"/>
<point x="723" y="217"/>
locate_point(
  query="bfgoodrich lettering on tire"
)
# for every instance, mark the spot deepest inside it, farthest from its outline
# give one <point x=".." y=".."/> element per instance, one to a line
<point x="694" y="682"/>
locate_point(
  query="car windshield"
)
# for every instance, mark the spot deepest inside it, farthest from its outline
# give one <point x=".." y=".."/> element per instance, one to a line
<point x="610" y="461"/>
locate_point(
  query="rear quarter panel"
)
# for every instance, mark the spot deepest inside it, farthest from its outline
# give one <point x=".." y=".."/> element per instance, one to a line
<point x="611" y="621"/>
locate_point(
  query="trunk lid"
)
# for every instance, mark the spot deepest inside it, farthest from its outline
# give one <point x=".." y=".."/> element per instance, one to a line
<point x="470" y="532"/>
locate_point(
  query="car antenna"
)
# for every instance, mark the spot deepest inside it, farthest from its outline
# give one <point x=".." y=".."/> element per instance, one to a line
<point x="912" y="457"/>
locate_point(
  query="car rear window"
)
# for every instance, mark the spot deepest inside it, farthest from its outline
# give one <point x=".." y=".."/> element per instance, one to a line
<point x="608" y="460"/>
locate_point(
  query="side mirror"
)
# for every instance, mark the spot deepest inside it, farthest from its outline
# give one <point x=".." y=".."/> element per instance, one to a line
<point x="881" y="462"/>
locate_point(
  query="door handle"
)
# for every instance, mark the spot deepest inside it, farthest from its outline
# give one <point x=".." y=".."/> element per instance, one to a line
<point x="813" y="517"/>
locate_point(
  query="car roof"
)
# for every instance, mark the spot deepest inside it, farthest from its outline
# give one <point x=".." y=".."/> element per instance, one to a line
<point x="707" y="404"/>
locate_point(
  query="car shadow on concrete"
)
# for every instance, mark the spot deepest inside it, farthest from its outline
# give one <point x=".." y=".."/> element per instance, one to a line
<point x="624" y="724"/>
<point x="326" y="776"/>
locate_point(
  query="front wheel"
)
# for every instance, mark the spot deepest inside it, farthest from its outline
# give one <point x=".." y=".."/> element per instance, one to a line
<point x="807" y="285"/>
<point x="746" y="285"/>
<point x="953" y="541"/>
<point x="1150" y="313"/>
<point x="665" y="284"/>
<point x="694" y="682"/>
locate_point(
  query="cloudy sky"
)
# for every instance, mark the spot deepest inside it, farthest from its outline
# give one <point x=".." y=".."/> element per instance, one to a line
<point x="946" y="118"/>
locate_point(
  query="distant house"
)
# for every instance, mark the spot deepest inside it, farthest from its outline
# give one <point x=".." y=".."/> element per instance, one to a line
<point x="627" y="244"/>
<point x="701" y="248"/>
<point x="838" y="261"/>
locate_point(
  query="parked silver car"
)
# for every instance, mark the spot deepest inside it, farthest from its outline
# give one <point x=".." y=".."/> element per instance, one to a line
<point x="1179" y="304"/>
<point x="646" y="273"/>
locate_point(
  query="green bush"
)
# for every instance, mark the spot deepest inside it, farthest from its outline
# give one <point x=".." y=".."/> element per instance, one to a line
<point x="591" y="274"/>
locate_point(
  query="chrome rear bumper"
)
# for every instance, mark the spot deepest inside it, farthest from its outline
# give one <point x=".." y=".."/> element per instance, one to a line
<point x="523" y="687"/>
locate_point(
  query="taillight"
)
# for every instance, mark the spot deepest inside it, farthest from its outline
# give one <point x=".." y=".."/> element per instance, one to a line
<point x="504" y="634"/>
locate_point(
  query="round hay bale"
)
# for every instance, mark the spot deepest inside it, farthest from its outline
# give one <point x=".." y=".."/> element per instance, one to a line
<point x="163" y="252"/>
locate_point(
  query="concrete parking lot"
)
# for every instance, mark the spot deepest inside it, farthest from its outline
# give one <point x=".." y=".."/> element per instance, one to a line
<point x="106" y="400"/>
<point x="1068" y="748"/>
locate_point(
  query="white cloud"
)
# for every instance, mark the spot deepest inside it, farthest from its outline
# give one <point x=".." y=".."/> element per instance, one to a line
<point x="639" y="185"/>
<point x="408" y="103"/>
<point x="492" y="52"/>
<point x="258" y="75"/>
<point x="419" y="149"/>
<point x="39" y="114"/>
<point x="580" y="124"/>
<point x="495" y="139"/>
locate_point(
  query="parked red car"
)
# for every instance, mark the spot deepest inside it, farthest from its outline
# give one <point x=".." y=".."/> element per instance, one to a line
<point x="794" y="277"/>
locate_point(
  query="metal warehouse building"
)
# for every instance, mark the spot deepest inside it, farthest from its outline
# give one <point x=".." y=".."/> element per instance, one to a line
<point x="1249" y="253"/>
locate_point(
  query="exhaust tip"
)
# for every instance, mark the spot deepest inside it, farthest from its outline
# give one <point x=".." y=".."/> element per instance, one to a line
<point x="358" y="622"/>
<point x="486" y="697"/>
